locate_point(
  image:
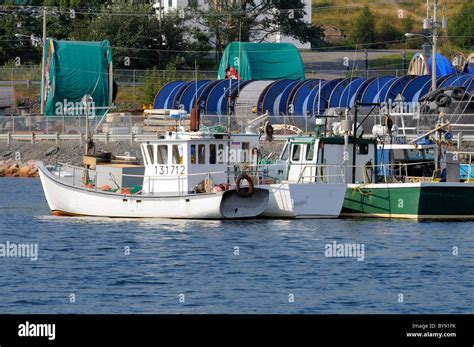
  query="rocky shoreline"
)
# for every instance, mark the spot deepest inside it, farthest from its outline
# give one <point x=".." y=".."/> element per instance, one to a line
<point x="11" y="168"/>
<point x="20" y="159"/>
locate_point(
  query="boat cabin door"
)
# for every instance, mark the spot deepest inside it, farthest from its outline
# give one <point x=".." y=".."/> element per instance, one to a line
<point x="301" y="161"/>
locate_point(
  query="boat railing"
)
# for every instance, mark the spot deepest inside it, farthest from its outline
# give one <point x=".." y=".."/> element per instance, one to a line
<point x="309" y="173"/>
<point x="322" y="173"/>
<point x="392" y="172"/>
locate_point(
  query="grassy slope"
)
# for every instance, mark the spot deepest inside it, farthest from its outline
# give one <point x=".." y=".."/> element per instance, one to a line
<point x="394" y="61"/>
<point x="342" y="13"/>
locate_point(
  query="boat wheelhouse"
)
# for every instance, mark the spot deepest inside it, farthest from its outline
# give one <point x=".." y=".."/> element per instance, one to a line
<point x="301" y="184"/>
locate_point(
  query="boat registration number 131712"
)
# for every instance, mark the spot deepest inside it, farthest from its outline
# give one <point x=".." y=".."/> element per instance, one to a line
<point x="170" y="170"/>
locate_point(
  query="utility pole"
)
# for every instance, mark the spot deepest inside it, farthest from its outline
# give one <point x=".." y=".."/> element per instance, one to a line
<point x="404" y="62"/>
<point x="43" y="63"/>
<point x="435" y="44"/>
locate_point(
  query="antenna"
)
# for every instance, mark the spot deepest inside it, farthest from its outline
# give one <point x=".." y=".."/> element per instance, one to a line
<point x="319" y="99"/>
<point x="240" y="51"/>
<point x="43" y="63"/>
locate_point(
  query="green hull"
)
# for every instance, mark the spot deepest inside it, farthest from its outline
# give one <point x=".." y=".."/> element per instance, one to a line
<point x="410" y="200"/>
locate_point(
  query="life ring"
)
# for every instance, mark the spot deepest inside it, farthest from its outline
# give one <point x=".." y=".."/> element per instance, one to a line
<point x="240" y="192"/>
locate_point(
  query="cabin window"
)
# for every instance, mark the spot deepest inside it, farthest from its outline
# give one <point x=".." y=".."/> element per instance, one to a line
<point x="284" y="154"/>
<point x="177" y="154"/>
<point x="415" y="154"/>
<point x="309" y="151"/>
<point x="193" y="154"/>
<point x="429" y="154"/>
<point x="162" y="155"/>
<point x="149" y="152"/>
<point x="398" y="154"/>
<point x="220" y="154"/>
<point x="212" y="154"/>
<point x="363" y="148"/>
<point x="170" y="3"/>
<point x="295" y="153"/>
<point x="245" y="151"/>
<point x="201" y="154"/>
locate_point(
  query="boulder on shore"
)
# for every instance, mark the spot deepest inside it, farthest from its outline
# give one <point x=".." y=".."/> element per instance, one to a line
<point x="15" y="169"/>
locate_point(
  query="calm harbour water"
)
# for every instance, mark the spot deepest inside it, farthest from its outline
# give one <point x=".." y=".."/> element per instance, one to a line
<point x="277" y="260"/>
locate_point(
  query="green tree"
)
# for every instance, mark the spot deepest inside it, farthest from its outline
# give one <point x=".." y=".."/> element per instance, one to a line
<point x="364" y="28"/>
<point x="138" y="36"/>
<point x="461" y="28"/>
<point x="154" y="80"/>
<point x="248" y="20"/>
<point x="387" y="33"/>
<point x="408" y="26"/>
<point x="17" y="27"/>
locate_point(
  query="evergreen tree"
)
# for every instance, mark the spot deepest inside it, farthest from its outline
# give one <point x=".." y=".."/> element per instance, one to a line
<point x="364" y="28"/>
<point x="461" y="27"/>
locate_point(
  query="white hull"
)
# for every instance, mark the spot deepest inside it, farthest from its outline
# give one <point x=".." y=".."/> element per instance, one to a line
<point x="64" y="199"/>
<point x="305" y="200"/>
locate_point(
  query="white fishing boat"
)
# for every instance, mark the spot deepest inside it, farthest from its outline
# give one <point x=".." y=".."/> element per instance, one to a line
<point x="301" y="185"/>
<point x="184" y="176"/>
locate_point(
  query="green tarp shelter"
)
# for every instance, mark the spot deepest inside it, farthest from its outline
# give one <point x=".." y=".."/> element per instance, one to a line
<point x="261" y="61"/>
<point x="74" y="69"/>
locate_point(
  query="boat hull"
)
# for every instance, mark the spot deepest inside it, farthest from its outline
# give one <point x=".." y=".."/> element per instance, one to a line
<point x="67" y="200"/>
<point x="420" y="201"/>
<point x="305" y="200"/>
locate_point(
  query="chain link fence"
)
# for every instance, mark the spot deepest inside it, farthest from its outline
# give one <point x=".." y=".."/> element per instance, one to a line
<point x="25" y="75"/>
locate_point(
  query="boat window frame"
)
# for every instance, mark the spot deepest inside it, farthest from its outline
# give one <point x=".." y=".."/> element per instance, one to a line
<point x="220" y="153"/>
<point x="193" y="154"/>
<point x="149" y="157"/>
<point x="309" y="150"/>
<point x="179" y="160"/>
<point x="245" y="151"/>
<point x="201" y="157"/>
<point x="212" y="154"/>
<point x="298" y="147"/>
<point x="362" y="149"/>
<point x="285" y="152"/>
<point x="159" y="155"/>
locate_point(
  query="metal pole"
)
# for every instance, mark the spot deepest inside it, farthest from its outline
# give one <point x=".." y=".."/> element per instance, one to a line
<point x="366" y="63"/>
<point x="354" y="137"/>
<point x="435" y="44"/>
<point x="404" y="58"/>
<point x="228" y="106"/>
<point x="133" y="82"/>
<point x="43" y="63"/>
